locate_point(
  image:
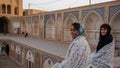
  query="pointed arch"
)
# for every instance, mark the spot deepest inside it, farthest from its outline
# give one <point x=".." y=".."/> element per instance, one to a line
<point x="18" y="53"/>
<point x="18" y="50"/>
<point x="115" y="21"/>
<point x="29" y="56"/>
<point x="50" y="29"/>
<point x="36" y="27"/>
<point x="48" y="63"/>
<point x="92" y="22"/>
<point x="67" y="25"/>
<point x="115" y="25"/>
<point x="30" y="59"/>
<point x="69" y="20"/>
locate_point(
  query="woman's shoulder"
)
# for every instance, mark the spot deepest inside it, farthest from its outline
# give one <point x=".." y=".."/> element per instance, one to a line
<point x="81" y="40"/>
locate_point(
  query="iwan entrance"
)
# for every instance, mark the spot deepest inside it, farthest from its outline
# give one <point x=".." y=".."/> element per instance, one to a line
<point x="3" y="24"/>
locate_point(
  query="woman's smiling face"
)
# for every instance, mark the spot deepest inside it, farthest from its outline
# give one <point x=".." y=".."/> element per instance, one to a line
<point x="73" y="32"/>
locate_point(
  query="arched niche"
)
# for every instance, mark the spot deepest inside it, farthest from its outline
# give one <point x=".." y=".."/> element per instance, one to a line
<point x="29" y="56"/>
<point x="50" y="29"/>
<point x="115" y="25"/>
<point x="67" y="25"/>
<point x="92" y="22"/>
<point x="18" y="50"/>
<point x="48" y="63"/>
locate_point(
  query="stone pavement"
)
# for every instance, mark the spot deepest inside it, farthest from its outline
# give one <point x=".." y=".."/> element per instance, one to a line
<point x="6" y="62"/>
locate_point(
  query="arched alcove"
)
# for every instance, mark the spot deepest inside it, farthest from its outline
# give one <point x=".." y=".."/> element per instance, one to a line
<point x="30" y="59"/>
<point x="92" y="22"/>
<point x="36" y="28"/>
<point x="48" y="63"/>
<point x="115" y="25"/>
<point x="18" y="53"/>
<point x="67" y="25"/>
<point x="50" y="29"/>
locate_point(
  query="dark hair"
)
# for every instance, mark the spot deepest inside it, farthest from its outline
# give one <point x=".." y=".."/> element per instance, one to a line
<point x="76" y="25"/>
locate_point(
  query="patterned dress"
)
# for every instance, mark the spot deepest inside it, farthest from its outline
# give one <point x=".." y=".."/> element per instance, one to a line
<point x="104" y="57"/>
<point x="78" y="55"/>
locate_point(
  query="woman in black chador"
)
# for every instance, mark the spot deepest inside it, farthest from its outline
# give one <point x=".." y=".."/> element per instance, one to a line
<point x="104" y="54"/>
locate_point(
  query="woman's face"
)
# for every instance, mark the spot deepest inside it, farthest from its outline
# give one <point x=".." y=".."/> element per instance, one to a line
<point x="73" y="32"/>
<point x="103" y="31"/>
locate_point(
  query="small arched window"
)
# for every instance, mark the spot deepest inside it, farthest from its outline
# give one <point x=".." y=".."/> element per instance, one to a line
<point x="9" y="9"/>
<point x="3" y="8"/>
<point x="16" y="11"/>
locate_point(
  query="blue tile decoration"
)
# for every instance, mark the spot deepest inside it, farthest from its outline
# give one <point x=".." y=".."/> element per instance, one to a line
<point x="98" y="10"/>
<point x="44" y="57"/>
<point x="75" y="13"/>
<point x="45" y="20"/>
<point x="113" y="10"/>
<point x="47" y="16"/>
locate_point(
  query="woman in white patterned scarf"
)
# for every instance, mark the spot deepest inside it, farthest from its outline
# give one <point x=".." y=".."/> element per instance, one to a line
<point x="104" y="54"/>
<point x="78" y="55"/>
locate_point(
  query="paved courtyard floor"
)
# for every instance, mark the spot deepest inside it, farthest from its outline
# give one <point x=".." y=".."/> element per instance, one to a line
<point x="6" y="62"/>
